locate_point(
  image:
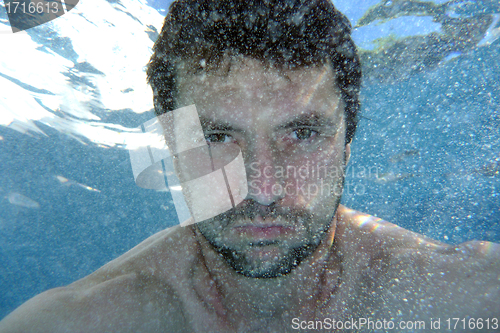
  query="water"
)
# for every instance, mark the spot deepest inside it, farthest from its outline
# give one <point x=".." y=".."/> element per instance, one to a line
<point x="451" y="117"/>
<point x="70" y="102"/>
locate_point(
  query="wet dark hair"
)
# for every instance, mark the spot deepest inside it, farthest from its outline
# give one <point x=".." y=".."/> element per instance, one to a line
<point x="285" y="34"/>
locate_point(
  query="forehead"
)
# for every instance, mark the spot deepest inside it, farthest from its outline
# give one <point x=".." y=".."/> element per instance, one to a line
<point x="246" y="91"/>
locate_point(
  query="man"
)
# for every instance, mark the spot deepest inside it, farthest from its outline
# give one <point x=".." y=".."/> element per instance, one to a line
<point x="280" y="80"/>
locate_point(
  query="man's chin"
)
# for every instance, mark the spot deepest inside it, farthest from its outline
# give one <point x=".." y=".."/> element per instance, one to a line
<point x="265" y="261"/>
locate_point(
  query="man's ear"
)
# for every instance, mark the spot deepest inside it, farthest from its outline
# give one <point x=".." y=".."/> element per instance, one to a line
<point x="347" y="153"/>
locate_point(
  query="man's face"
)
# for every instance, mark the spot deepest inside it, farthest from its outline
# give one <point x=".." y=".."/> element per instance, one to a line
<point x="289" y="125"/>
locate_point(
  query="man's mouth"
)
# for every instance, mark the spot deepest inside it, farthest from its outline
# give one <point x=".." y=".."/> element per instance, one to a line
<point x="252" y="213"/>
<point x="262" y="232"/>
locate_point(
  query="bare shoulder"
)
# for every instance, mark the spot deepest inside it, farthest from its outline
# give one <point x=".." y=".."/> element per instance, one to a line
<point x="361" y="231"/>
<point x="370" y="235"/>
<point x="462" y="278"/>
<point x="133" y="293"/>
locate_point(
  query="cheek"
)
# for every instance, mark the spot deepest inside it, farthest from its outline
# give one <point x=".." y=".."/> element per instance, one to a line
<point x="315" y="181"/>
<point x="324" y="164"/>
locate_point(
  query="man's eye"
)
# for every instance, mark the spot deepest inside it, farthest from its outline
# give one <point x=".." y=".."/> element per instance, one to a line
<point x="218" y="138"/>
<point x="303" y="133"/>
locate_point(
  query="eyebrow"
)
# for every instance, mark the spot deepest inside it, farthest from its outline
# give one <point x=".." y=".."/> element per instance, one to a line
<point x="216" y="125"/>
<point x="308" y="119"/>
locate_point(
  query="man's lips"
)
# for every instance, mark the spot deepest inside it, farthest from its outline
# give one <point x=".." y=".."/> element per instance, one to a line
<point x="262" y="232"/>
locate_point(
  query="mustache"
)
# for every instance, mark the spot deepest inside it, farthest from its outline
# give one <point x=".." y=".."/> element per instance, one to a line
<point x="249" y="209"/>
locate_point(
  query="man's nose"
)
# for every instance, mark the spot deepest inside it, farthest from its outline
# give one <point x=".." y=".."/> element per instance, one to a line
<point x="264" y="182"/>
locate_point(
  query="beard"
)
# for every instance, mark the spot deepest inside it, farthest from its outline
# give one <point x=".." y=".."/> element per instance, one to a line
<point x="291" y="259"/>
<point x="291" y="256"/>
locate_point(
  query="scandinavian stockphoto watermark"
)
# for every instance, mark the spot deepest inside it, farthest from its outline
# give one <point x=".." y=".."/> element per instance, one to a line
<point x="176" y="157"/>
<point x="205" y="181"/>
<point x="308" y="180"/>
<point x="26" y="14"/>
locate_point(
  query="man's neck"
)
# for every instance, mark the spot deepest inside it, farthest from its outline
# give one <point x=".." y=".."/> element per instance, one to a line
<point x="303" y="289"/>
